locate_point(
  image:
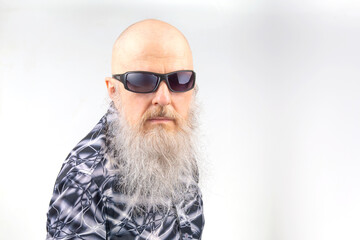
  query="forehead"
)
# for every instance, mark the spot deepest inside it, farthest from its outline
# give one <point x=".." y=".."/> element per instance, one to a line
<point x="156" y="54"/>
<point x="157" y="64"/>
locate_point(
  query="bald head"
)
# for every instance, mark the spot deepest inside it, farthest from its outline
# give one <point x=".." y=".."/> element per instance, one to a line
<point x="151" y="45"/>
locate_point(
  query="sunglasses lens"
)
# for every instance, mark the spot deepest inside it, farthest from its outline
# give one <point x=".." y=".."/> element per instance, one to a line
<point x="181" y="81"/>
<point x="141" y="82"/>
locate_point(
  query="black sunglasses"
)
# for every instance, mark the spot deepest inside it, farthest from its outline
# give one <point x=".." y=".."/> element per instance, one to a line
<point x="147" y="82"/>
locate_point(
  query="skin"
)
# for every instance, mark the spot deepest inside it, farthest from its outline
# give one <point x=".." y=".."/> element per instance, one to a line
<point x="155" y="46"/>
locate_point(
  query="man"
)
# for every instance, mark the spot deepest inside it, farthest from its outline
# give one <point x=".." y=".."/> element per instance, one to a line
<point x="135" y="175"/>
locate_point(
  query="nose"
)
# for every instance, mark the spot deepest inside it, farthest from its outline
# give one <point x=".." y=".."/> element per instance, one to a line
<point x="162" y="95"/>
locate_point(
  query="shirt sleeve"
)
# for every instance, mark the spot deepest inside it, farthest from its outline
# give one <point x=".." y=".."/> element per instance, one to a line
<point x="76" y="209"/>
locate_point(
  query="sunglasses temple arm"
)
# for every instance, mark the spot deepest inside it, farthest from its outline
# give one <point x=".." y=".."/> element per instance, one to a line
<point x="120" y="78"/>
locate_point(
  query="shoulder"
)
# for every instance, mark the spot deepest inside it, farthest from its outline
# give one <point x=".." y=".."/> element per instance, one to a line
<point x="77" y="205"/>
<point x="86" y="161"/>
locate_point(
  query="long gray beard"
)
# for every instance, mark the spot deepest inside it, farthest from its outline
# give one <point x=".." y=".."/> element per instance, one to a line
<point x="156" y="168"/>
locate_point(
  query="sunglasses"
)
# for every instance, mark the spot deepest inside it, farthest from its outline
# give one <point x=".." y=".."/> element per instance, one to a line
<point x="148" y="82"/>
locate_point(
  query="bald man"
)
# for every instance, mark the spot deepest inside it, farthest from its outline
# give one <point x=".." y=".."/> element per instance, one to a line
<point x="135" y="175"/>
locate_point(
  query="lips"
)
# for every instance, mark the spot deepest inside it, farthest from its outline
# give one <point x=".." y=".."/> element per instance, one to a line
<point x="161" y="118"/>
<point x="155" y="120"/>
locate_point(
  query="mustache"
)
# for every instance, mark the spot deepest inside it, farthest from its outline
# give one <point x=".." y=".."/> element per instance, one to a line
<point x="161" y="111"/>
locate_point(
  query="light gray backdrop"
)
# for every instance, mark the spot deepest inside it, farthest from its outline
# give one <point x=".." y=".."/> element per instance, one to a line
<point x="279" y="86"/>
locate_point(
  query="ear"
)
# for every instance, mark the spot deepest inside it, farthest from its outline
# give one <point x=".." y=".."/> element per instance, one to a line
<point x="111" y="87"/>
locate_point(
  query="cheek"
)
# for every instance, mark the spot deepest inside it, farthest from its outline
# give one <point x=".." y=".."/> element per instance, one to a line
<point x="135" y="112"/>
<point x="134" y="107"/>
<point x="182" y="103"/>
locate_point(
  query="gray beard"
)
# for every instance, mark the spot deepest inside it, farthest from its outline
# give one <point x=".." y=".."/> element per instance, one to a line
<point x="156" y="168"/>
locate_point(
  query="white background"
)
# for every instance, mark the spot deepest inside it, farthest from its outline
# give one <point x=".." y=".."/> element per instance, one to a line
<point x="279" y="86"/>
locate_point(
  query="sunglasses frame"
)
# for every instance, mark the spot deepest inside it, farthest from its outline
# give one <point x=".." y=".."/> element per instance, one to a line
<point x="163" y="77"/>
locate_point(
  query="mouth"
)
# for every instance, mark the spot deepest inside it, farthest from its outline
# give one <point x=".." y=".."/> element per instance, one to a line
<point x="160" y="120"/>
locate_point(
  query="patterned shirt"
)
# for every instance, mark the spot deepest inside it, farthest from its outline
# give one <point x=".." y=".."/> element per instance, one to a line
<point x="86" y="205"/>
